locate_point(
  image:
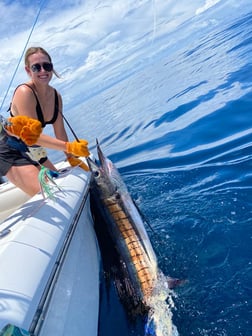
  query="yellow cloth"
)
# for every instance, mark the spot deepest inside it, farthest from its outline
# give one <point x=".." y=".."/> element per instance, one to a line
<point x="77" y="162"/>
<point x="77" y="148"/>
<point x="27" y="129"/>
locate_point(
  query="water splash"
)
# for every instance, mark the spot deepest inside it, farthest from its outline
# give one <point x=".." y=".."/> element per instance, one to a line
<point x="159" y="321"/>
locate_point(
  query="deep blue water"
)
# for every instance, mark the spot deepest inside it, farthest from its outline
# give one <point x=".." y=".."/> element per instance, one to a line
<point x="175" y="116"/>
<point x="179" y="129"/>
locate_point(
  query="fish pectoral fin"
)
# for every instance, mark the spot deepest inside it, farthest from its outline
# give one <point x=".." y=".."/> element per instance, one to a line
<point x="175" y="282"/>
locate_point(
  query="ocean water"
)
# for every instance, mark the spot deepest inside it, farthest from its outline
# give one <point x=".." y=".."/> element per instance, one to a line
<point x="178" y="126"/>
<point x="166" y="89"/>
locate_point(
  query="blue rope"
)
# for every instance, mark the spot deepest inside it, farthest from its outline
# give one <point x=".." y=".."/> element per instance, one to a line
<point x="20" y="59"/>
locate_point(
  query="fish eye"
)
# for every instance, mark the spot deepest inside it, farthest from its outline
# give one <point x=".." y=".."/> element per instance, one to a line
<point x="117" y="195"/>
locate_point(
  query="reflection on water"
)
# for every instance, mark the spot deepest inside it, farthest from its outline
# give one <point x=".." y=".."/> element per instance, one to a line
<point x="179" y="129"/>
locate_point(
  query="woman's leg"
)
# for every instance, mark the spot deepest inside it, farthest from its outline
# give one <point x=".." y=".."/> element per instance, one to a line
<point x="48" y="164"/>
<point x="25" y="178"/>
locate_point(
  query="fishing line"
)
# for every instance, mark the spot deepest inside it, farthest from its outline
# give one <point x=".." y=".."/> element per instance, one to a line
<point x="153" y="33"/>
<point x="70" y="127"/>
<point x="123" y="92"/>
<point x="154" y="25"/>
<point x="20" y="59"/>
<point x="25" y="46"/>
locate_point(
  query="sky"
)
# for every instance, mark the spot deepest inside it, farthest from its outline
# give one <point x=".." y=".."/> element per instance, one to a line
<point x="88" y="40"/>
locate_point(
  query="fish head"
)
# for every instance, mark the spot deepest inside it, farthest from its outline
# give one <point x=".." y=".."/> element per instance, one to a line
<point x="105" y="174"/>
<point x="101" y="177"/>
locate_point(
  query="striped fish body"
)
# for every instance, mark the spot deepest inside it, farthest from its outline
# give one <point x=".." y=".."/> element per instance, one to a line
<point x="129" y="244"/>
<point x="127" y="232"/>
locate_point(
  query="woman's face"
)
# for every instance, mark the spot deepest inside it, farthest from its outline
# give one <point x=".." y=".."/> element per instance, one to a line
<point x="39" y="68"/>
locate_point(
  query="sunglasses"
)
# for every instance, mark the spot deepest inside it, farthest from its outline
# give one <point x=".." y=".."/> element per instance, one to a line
<point x="45" y="65"/>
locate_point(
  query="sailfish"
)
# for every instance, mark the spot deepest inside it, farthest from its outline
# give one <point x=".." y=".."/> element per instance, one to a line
<point x="137" y="274"/>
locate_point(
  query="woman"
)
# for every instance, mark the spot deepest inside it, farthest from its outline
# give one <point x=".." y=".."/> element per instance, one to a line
<point x="36" y="99"/>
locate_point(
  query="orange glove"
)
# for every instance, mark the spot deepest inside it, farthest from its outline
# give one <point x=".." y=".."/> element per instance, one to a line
<point x="77" y="148"/>
<point x="77" y="162"/>
<point x="27" y="129"/>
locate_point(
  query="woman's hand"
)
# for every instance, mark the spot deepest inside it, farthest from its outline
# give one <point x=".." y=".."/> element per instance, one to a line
<point x="27" y="129"/>
<point x="77" y="148"/>
<point x="77" y="162"/>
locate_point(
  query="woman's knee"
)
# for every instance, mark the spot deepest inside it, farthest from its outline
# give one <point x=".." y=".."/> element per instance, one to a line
<point x="25" y="178"/>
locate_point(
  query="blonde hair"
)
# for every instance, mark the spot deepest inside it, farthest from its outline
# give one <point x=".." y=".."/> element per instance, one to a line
<point x="34" y="50"/>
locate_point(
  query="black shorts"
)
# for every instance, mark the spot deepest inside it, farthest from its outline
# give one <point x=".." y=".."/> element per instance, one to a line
<point x="11" y="157"/>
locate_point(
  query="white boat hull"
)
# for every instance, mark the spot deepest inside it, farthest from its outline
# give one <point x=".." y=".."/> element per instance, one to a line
<point x="50" y="262"/>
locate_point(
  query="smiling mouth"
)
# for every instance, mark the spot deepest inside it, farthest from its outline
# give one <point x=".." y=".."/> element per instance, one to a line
<point x="43" y="76"/>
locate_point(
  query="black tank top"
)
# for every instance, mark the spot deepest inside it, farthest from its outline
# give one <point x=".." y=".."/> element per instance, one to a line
<point x="39" y="110"/>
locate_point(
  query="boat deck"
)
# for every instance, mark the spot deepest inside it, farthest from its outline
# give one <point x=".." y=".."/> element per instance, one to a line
<point x="50" y="260"/>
